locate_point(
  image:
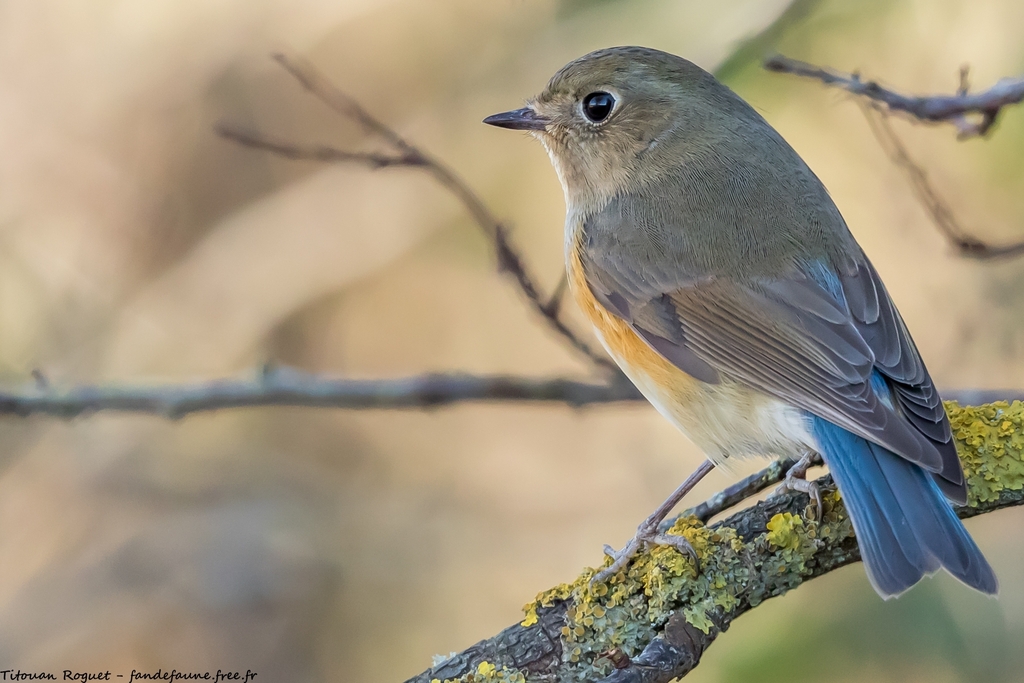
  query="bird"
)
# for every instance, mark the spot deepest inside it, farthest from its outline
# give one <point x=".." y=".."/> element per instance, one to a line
<point x="719" y="275"/>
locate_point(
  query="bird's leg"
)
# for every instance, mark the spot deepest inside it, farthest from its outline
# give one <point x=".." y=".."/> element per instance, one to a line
<point x="647" y="533"/>
<point x="796" y="480"/>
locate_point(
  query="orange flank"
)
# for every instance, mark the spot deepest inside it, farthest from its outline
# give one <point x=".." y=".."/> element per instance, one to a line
<point x="725" y="420"/>
<point x="630" y="351"/>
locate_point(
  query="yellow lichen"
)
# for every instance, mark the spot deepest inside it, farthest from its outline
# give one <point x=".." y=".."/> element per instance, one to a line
<point x="784" y="531"/>
<point x="990" y="440"/>
<point x="624" y="613"/>
<point x="627" y="611"/>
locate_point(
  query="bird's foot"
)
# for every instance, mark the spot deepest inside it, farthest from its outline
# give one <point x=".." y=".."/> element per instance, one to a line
<point x="796" y="480"/>
<point x="647" y="535"/>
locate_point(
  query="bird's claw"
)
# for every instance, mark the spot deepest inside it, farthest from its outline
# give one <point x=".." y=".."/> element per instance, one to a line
<point x="796" y="480"/>
<point x="645" y="537"/>
<point x="680" y="544"/>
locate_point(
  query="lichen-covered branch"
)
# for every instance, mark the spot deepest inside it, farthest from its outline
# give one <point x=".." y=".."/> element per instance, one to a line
<point x="653" y="621"/>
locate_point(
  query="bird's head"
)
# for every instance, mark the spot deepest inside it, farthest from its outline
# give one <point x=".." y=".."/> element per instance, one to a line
<point x="621" y="117"/>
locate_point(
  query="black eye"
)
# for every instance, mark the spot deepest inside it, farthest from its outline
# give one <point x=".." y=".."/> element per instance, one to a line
<point x="597" y="106"/>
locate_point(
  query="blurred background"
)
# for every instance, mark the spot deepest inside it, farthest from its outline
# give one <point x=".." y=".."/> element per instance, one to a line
<point x="324" y="545"/>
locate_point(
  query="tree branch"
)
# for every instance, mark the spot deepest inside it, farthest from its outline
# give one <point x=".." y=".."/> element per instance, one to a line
<point x="732" y="496"/>
<point x="282" y="386"/>
<point x="652" y="622"/>
<point x="957" y="109"/>
<point x="404" y="153"/>
<point x="323" y="153"/>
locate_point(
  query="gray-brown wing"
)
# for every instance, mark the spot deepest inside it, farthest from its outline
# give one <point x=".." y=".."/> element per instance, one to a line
<point x="897" y="358"/>
<point x="812" y="339"/>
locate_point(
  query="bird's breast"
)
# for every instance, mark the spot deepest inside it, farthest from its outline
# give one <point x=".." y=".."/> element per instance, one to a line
<point x="725" y="420"/>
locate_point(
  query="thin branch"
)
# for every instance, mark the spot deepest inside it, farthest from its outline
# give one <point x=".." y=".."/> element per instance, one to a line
<point x="732" y="496"/>
<point x="554" y="304"/>
<point x="976" y="397"/>
<point x="653" y="622"/>
<point x="323" y="153"/>
<point x="880" y="102"/>
<point x="509" y="261"/>
<point x="310" y="78"/>
<point x="276" y="385"/>
<point x="955" y="109"/>
<point x="942" y="216"/>
<point x="282" y="386"/>
<point x="407" y="154"/>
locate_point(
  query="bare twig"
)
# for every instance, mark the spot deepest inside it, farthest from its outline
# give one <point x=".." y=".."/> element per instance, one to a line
<point x="942" y="216"/>
<point x="312" y="80"/>
<point x="956" y="109"/>
<point x="965" y="80"/>
<point x="880" y="102"/>
<point x="554" y="304"/>
<point x="281" y="386"/>
<point x="733" y="495"/>
<point x="248" y="138"/>
<point x="404" y="153"/>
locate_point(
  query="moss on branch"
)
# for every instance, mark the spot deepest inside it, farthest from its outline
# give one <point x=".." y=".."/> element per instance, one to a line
<point x="653" y="620"/>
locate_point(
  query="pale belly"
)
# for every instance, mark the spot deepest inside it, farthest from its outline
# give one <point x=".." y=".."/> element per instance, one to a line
<point x="724" y="420"/>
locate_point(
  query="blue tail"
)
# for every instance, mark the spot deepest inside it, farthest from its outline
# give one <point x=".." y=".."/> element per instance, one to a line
<point x="905" y="527"/>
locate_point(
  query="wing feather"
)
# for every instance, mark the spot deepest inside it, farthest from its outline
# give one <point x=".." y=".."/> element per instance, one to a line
<point x="812" y="336"/>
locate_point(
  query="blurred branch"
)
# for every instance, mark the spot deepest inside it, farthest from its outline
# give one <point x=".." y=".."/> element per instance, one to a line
<point x="653" y="621"/>
<point x="942" y="216"/>
<point x="957" y="109"/>
<point x="283" y="386"/>
<point x="248" y="138"/>
<point x="973" y="115"/>
<point x="404" y="153"/>
<point x="974" y="397"/>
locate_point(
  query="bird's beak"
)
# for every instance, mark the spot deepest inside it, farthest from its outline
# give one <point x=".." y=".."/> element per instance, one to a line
<point x="519" y="119"/>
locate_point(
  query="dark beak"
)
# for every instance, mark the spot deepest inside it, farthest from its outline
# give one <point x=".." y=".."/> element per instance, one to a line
<point x="519" y="119"/>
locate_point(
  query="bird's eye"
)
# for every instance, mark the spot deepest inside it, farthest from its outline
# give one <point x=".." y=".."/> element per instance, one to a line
<point x="597" y="106"/>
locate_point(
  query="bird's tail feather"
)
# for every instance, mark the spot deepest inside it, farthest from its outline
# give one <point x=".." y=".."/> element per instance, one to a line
<point x="905" y="527"/>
